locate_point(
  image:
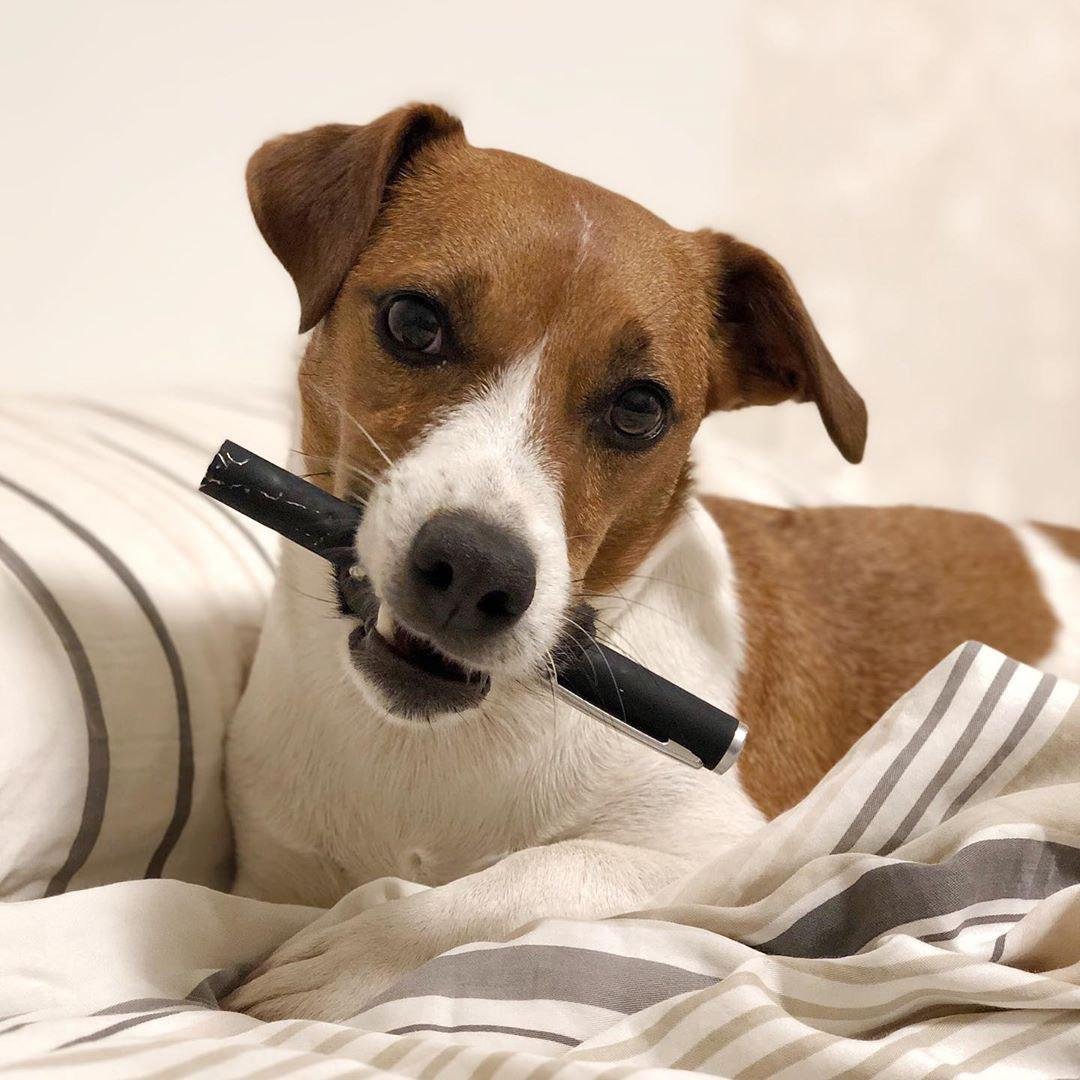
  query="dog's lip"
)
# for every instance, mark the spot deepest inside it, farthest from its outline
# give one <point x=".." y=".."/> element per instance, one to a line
<point x="418" y="651"/>
<point x="415" y="681"/>
<point x="415" y="677"/>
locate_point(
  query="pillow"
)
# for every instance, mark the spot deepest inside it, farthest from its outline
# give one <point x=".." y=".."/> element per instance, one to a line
<point x="129" y="612"/>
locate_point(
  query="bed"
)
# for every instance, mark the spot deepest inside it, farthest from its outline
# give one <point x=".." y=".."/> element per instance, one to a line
<point x="917" y="914"/>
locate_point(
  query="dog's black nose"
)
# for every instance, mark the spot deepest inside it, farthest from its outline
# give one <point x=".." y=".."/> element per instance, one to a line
<point x="470" y="575"/>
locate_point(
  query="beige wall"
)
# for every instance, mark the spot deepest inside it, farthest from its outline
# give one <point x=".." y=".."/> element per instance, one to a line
<point x="915" y="164"/>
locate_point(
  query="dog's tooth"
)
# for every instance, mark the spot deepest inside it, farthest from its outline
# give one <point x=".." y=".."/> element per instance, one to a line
<point x="384" y="623"/>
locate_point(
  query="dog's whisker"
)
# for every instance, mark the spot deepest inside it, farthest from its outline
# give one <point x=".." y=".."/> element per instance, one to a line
<point x="611" y="674"/>
<point x="673" y="584"/>
<point x="347" y="465"/>
<point x="309" y="596"/>
<point x="646" y="577"/>
<point x="617" y="638"/>
<point x="585" y="652"/>
<point x="553" y="682"/>
<point x="349" y="468"/>
<point x="635" y="603"/>
<point x="367" y="434"/>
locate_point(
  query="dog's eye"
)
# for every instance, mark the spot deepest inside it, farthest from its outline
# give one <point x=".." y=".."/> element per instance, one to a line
<point x="413" y="328"/>
<point x="639" y="412"/>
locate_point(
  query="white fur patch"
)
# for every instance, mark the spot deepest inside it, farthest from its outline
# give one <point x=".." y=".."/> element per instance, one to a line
<point x="1059" y="576"/>
<point x="684" y="592"/>
<point x="482" y="457"/>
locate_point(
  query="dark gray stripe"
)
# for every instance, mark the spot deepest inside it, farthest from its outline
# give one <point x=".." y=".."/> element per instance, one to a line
<point x="185" y="751"/>
<point x="122" y="1025"/>
<point x="903" y="759"/>
<point x="1023" y="724"/>
<point x="549" y="1036"/>
<point x="890" y="896"/>
<point x="189" y="488"/>
<point x="999" y="948"/>
<point x="219" y="984"/>
<point x="623" y="984"/>
<point x="136" y="1005"/>
<point x="975" y="920"/>
<point x="97" y="735"/>
<point x="972" y="729"/>
<point x="141" y="1005"/>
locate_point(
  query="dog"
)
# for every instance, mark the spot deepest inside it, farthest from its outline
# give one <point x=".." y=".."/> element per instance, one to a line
<point x="506" y="369"/>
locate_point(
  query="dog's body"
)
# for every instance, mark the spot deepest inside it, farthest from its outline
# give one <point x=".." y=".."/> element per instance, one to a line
<point x="535" y="490"/>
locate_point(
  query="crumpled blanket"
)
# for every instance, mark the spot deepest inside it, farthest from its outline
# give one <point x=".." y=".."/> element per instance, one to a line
<point x="918" y="914"/>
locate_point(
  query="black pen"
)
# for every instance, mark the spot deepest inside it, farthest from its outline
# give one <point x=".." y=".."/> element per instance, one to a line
<point x="599" y="681"/>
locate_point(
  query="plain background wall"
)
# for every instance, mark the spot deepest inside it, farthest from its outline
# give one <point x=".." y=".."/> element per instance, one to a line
<point x="916" y="165"/>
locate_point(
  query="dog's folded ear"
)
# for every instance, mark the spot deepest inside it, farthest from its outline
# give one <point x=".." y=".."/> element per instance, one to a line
<point x="315" y="195"/>
<point x="768" y="349"/>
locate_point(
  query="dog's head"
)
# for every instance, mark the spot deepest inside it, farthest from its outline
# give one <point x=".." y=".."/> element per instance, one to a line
<point x="508" y="366"/>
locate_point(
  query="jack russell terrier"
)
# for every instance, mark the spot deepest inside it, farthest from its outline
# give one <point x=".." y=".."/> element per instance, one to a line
<point x="507" y="368"/>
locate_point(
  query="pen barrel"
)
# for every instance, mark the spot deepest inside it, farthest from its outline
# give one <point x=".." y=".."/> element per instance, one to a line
<point x="608" y="684"/>
<point x="282" y="501"/>
<point x="616" y="685"/>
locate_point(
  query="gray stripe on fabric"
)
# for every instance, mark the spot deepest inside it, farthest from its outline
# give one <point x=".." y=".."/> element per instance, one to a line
<point x="97" y="735"/>
<point x="623" y="984"/>
<point x="141" y="1005"/>
<point x="975" y="920"/>
<point x="190" y="488"/>
<point x="972" y="729"/>
<point x="978" y="1064"/>
<point x="220" y="984"/>
<point x="890" y="896"/>
<point x="904" y="758"/>
<point x="549" y="1036"/>
<point x="999" y="947"/>
<point x="1023" y="724"/>
<point x="185" y="750"/>
<point x="122" y="1025"/>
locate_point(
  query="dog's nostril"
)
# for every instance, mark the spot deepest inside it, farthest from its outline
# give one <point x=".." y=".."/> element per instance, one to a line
<point x="439" y="576"/>
<point x="466" y="575"/>
<point x="497" y="603"/>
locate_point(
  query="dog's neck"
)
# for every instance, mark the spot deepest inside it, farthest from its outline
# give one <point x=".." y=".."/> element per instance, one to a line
<point x="432" y="802"/>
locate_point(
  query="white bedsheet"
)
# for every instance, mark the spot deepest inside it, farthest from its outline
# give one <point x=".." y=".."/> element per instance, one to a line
<point x="918" y="914"/>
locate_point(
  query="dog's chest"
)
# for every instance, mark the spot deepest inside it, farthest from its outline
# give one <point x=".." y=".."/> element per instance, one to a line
<point x="361" y="799"/>
<point x="321" y="788"/>
<point x="431" y="820"/>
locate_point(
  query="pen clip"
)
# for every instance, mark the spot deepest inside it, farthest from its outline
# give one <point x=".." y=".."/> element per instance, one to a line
<point x="667" y="747"/>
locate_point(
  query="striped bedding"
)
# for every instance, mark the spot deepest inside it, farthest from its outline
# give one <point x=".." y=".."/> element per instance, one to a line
<point x="917" y="915"/>
<point x="129" y="611"/>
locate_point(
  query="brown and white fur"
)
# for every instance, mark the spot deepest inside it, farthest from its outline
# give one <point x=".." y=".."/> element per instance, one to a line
<point x="806" y="623"/>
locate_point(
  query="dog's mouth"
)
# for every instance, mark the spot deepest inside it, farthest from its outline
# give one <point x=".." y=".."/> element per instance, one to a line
<point x="414" y="679"/>
<point x="415" y="650"/>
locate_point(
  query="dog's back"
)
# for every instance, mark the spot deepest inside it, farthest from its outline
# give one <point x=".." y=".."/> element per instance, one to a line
<point x="844" y="608"/>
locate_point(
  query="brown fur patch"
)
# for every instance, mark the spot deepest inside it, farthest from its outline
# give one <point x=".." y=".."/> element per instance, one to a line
<point x="845" y="608"/>
<point x="1067" y="539"/>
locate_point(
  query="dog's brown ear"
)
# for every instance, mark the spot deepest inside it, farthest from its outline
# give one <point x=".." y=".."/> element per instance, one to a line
<point x="769" y="349"/>
<point x="315" y="194"/>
